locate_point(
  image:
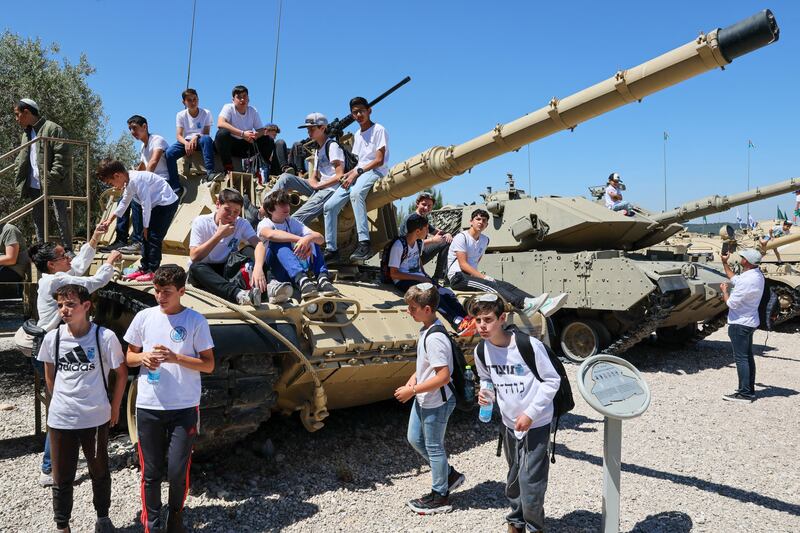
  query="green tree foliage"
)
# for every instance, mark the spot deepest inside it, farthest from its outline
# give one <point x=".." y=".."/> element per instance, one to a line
<point x="31" y="69"/>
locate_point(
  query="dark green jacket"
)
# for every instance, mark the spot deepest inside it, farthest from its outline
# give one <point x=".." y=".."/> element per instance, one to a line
<point x="58" y="164"/>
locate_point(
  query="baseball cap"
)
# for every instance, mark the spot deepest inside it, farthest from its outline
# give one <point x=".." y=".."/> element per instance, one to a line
<point x="314" y="119"/>
<point x="751" y="255"/>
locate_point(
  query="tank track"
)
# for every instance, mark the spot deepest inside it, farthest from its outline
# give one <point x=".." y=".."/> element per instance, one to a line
<point x="238" y="396"/>
<point x="659" y="308"/>
<point x="707" y="328"/>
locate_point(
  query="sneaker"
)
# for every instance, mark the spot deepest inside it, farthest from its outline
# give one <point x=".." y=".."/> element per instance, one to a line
<point x="136" y="274"/>
<point x="362" y="252"/>
<point x="454" y="480"/>
<point x="533" y="304"/>
<point x="175" y="522"/>
<point x="326" y="287"/>
<point x="104" y="525"/>
<point x="515" y="529"/>
<point x="134" y="248"/>
<point x="738" y="397"/>
<point x="331" y="257"/>
<point x="553" y="304"/>
<point x="46" y="479"/>
<point x="65" y="530"/>
<point x="433" y="503"/>
<point x="243" y="298"/>
<point x="146" y="277"/>
<point x="467" y="327"/>
<point x="279" y="291"/>
<point x="308" y="290"/>
<point x="111" y="247"/>
<point x="255" y="296"/>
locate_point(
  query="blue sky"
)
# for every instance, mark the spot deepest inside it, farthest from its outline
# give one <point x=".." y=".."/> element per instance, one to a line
<point x="472" y="64"/>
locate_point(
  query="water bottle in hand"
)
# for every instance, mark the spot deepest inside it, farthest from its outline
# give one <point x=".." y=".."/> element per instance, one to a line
<point x="485" y="413"/>
<point x="153" y="376"/>
<point x="469" y="384"/>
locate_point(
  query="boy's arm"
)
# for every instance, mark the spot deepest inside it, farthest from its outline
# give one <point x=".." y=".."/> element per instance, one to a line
<point x="395" y="274"/>
<point x="466" y="268"/>
<point x="199" y="252"/>
<point x="136" y="357"/>
<point x="546" y="389"/>
<point x="338" y="166"/>
<point x="259" y="279"/>
<point x="153" y="162"/>
<point x="204" y="363"/>
<point x="10" y="257"/>
<point x="120" y="382"/>
<point x="277" y="235"/>
<point x="180" y="137"/>
<point x="49" y="377"/>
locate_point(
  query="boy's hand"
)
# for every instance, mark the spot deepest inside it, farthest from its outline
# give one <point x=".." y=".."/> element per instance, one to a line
<point x="724" y="257"/>
<point x="404" y="393"/>
<point x="113" y="257"/>
<point x="145" y="233"/>
<point x="259" y="279"/>
<point x="349" y="178"/>
<point x="523" y="422"/>
<point x="100" y="229"/>
<point x="151" y="360"/>
<point x="482" y="400"/>
<point x="302" y="248"/>
<point x="114" y="415"/>
<point x="724" y="288"/>
<point x="167" y="355"/>
<point x="225" y="230"/>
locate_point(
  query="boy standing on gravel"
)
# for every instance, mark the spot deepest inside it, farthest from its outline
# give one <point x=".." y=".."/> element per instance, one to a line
<point x="174" y="344"/>
<point x="433" y="400"/>
<point x="526" y="405"/>
<point x="78" y="358"/>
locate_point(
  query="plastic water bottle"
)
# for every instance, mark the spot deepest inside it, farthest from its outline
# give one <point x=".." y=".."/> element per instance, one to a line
<point x="153" y="376"/>
<point x="469" y="384"/>
<point x="304" y="264"/>
<point x="485" y="414"/>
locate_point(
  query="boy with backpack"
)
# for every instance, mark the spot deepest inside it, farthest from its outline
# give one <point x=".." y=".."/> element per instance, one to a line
<point x="401" y="265"/>
<point x="174" y="345"/>
<point x="78" y="358"/>
<point x="526" y="383"/>
<point x="434" y="400"/>
<point x="463" y="257"/>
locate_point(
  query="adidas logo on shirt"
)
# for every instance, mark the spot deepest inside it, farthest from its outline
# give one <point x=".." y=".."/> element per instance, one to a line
<point x="76" y="360"/>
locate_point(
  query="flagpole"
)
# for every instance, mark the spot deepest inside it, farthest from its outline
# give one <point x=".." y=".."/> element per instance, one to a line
<point x="530" y="187"/>
<point x="666" y="136"/>
<point x="749" y="144"/>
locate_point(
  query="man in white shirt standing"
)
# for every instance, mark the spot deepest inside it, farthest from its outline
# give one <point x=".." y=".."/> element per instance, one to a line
<point x="193" y="131"/>
<point x="743" y="301"/>
<point x="370" y="146"/>
<point x="326" y="178"/>
<point x="240" y="132"/>
<point x="613" y="196"/>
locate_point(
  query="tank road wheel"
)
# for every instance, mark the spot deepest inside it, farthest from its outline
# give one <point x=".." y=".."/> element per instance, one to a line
<point x="582" y="338"/>
<point x="676" y="336"/>
<point x="130" y="409"/>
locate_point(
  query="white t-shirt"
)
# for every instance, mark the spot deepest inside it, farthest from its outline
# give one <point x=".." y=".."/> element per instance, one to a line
<point x="411" y="263"/>
<point x="185" y="333"/>
<point x="149" y="190"/>
<point x="366" y="145"/>
<point x="463" y="242"/>
<point x="79" y="396"/>
<point x="193" y="126"/>
<point x="432" y="353"/>
<point x="156" y="142"/>
<point x="204" y="227"/>
<point x="290" y="225"/>
<point x="517" y="390"/>
<point x="324" y="165"/>
<point x="745" y="298"/>
<point x="251" y="120"/>
<point x="607" y="196"/>
<point x="34" y="182"/>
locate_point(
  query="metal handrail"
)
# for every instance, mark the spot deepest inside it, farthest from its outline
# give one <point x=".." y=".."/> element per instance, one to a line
<point x="45" y="197"/>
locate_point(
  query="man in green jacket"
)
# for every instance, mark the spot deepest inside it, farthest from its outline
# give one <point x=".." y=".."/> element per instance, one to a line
<point x="30" y="168"/>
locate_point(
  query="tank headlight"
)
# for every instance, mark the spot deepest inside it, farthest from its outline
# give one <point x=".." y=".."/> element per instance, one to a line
<point x="312" y="309"/>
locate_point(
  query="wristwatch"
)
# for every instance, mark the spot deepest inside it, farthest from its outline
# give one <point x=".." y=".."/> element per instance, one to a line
<point x="414" y="389"/>
<point x="359" y="171"/>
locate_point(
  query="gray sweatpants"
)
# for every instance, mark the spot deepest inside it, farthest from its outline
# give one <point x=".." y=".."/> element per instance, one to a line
<point x="316" y="199"/>
<point x="526" y="485"/>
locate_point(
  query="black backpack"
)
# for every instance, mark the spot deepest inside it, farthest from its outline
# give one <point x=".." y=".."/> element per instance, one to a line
<point x="563" y="402"/>
<point x="385" y="277"/>
<point x="458" y="382"/>
<point x="350" y="159"/>
<point x="99" y="356"/>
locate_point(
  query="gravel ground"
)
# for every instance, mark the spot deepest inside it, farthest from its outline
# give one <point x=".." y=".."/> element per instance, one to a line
<point x="691" y="463"/>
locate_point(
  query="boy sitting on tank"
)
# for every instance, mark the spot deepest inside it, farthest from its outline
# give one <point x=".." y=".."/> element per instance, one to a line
<point x="465" y="253"/>
<point x="214" y="238"/>
<point x="241" y="133"/>
<point x="437" y="244"/>
<point x="325" y="180"/>
<point x="193" y="133"/>
<point x="290" y="249"/>
<point x="405" y="271"/>
<point x="613" y="196"/>
<point x="370" y="146"/>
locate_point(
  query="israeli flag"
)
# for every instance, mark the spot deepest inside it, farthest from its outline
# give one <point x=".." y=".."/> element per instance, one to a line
<point x="751" y="221"/>
<point x="739" y="219"/>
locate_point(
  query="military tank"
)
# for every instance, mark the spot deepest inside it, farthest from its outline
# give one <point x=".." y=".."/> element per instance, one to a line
<point x="330" y="353"/>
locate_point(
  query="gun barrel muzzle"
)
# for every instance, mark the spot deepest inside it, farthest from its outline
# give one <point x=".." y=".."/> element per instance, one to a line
<point x="747" y="35"/>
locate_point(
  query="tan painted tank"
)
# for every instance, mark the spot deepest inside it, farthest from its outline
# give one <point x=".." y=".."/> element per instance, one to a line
<point x="337" y="352"/>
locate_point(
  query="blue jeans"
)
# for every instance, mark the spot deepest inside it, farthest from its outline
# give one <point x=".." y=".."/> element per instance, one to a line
<point x="285" y="265"/>
<point x="742" y="343"/>
<point x="160" y="218"/>
<point x="426" y="428"/>
<point x="134" y="213"/>
<point x="357" y="195"/>
<point x="621" y="206"/>
<point x="178" y="150"/>
<point x="47" y="467"/>
<point x="316" y="199"/>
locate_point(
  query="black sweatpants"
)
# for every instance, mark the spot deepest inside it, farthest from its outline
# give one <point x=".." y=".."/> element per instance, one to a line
<point x="160" y="219"/>
<point x="217" y="279"/>
<point x="228" y="146"/>
<point x="164" y="435"/>
<point x="509" y="292"/>
<point x="439" y="251"/>
<point x="449" y="305"/>
<point x="64" y="444"/>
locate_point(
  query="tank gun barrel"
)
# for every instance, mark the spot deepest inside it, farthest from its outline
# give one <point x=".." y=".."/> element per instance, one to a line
<point x="708" y="51"/>
<point x="781" y="241"/>
<point x="717" y="203"/>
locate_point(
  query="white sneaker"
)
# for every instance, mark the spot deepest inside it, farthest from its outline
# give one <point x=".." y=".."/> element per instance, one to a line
<point x="255" y="296"/>
<point x="533" y="304"/>
<point x="553" y="304"/>
<point x="45" y="480"/>
<point x="243" y="298"/>
<point x="279" y="292"/>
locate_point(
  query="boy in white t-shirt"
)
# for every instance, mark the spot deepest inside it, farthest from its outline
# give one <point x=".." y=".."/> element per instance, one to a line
<point x="526" y="407"/>
<point x="213" y="239"/>
<point x="240" y="132"/>
<point x="463" y="257"/>
<point x="290" y="249"/>
<point x="193" y="131"/>
<point x="329" y="171"/>
<point x="174" y="345"/>
<point x="370" y="146"/>
<point x="78" y="358"/>
<point x="154" y="150"/>
<point x="433" y="400"/>
<point x="613" y="196"/>
<point x="158" y="204"/>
